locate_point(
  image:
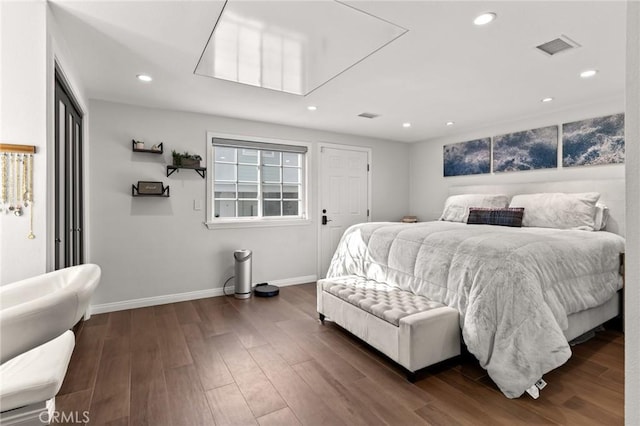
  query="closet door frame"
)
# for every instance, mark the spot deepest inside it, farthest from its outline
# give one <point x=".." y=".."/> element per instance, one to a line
<point x="68" y="205"/>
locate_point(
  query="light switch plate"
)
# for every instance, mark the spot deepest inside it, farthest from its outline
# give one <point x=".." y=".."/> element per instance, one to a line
<point x="197" y="205"/>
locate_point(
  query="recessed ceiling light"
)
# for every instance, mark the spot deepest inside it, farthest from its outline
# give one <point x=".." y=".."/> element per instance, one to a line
<point x="144" y="77"/>
<point x="450" y="123"/>
<point x="546" y="100"/>
<point x="406" y="124"/>
<point x="312" y="107"/>
<point x="485" y="18"/>
<point x="588" y="73"/>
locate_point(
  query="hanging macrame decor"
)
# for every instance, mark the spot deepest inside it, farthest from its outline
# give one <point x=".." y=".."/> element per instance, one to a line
<point x="16" y="181"/>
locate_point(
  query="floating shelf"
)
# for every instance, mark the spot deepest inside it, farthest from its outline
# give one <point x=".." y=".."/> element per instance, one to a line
<point x="150" y="151"/>
<point x="135" y="193"/>
<point x="202" y="171"/>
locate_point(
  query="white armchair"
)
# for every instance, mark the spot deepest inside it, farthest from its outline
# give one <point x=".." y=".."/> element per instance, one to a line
<point x="35" y="342"/>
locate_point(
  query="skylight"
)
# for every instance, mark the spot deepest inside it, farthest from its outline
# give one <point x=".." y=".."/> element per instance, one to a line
<point x="293" y="47"/>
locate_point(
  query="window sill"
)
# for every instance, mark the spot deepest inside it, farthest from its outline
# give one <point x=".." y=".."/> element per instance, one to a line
<point x="262" y="223"/>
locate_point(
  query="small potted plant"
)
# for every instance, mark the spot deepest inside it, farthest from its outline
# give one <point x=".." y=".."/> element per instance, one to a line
<point x="185" y="159"/>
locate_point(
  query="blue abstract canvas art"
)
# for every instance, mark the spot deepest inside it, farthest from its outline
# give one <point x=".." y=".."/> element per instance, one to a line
<point x="527" y="150"/>
<point x="467" y="158"/>
<point x="593" y="141"/>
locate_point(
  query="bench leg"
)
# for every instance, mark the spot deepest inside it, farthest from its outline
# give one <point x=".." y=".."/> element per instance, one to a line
<point x="321" y="316"/>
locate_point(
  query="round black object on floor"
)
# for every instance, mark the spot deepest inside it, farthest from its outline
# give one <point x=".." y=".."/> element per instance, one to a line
<point x="267" y="290"/>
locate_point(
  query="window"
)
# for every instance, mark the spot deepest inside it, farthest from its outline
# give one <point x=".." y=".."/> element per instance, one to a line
<point x="256" y="180"/>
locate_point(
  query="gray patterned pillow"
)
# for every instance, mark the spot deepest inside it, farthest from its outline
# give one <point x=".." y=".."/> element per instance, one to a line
<point x="502" y="217"/>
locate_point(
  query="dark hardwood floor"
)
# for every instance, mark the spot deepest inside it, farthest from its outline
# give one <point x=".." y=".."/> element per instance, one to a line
<point x="224" y="361"/>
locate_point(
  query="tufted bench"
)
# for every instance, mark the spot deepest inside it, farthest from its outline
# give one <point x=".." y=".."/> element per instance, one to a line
<point x="412" y="330"/>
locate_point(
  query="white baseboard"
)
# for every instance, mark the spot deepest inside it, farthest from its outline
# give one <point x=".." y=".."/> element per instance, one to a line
<point x="294" y="281"/>
<point x="181" y="297"/>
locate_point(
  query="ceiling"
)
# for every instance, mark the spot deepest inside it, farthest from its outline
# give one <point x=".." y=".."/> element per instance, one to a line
<point x="442" y="69"/>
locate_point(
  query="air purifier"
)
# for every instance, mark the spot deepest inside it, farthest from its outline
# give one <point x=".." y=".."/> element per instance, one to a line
<point x="242" y="273"/>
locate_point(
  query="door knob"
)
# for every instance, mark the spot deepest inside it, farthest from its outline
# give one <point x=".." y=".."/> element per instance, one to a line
<point x="325" y="220"/>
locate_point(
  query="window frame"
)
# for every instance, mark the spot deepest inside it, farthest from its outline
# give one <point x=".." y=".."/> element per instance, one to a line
<point x="212" y="222"/>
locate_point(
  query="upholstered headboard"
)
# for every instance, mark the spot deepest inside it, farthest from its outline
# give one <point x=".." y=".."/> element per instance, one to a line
<point x="611" y="191"/>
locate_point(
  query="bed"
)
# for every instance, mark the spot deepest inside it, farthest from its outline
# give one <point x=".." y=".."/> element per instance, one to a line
<point x="522" y="293"/>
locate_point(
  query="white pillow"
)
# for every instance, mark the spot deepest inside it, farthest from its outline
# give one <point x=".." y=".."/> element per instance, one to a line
<point x="601" y="216"/>
<point x="558" y="210"/>
<point x="456" y="208"/>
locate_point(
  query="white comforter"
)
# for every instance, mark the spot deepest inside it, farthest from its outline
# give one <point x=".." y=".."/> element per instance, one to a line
<point x="513" y="287"/>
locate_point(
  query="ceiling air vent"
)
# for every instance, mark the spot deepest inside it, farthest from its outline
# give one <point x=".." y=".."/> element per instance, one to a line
<point x="368" y="115"/>
<point x="560" y="44"/>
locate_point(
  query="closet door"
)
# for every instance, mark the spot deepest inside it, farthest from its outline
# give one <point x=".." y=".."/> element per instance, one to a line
<point x="69" y="203"/>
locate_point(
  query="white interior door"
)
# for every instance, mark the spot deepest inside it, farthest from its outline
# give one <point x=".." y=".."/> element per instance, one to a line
<point x="344" y="196"/>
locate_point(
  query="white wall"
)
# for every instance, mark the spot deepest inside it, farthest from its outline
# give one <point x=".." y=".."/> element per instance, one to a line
<point x="59" y="53"/>
<point x="23" y="120"/>
<point x="150" y="247"/>
<point x="429" y="189"/>
<point x="30" y="40"/>
<point x="632" y="290"/>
